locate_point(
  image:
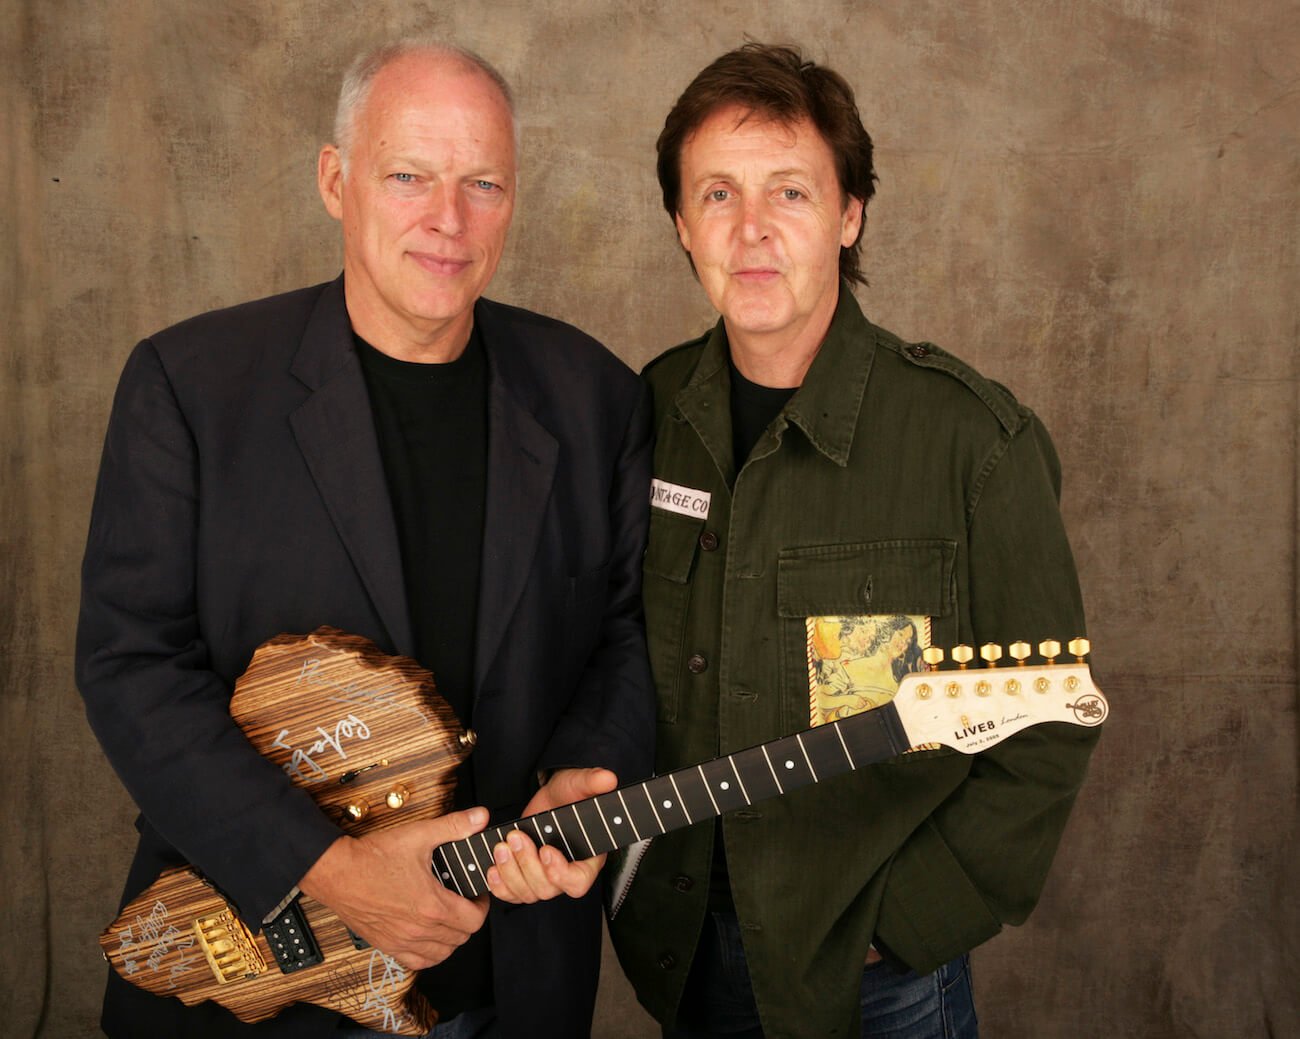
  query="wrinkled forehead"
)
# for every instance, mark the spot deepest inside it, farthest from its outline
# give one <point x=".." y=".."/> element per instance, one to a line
<point x="432" y="90"/>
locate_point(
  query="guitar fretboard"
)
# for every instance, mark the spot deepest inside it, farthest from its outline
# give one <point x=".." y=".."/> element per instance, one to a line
<point x="688" y="795"/>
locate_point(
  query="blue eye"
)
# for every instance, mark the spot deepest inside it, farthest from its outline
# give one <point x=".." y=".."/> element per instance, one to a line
<point x="718" y="195"/>
<point x="485" y="185"/>
<point x="404" y="178"/>
<point x="792" y="194"/>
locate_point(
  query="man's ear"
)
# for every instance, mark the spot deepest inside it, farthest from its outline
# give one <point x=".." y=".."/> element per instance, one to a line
<point x="329" y="180"/>
<point x="683" y="232"/>
<point x="851" y="222"/>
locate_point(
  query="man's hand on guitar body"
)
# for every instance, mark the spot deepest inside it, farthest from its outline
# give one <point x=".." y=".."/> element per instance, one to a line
<point x="523" y="873"/>
<point x="381" y="885"/>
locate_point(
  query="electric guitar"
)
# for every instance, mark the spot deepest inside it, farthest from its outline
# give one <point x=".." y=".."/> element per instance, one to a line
<point x="375" y="745"/>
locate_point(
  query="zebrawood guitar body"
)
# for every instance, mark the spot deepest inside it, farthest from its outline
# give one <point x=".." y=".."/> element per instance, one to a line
<point x="369" y="738"/>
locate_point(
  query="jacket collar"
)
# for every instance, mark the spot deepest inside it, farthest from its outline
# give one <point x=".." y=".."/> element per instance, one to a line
<point x="335" y="430"/>
<point x="825" y="406"/>
<point x="522" y="459"/>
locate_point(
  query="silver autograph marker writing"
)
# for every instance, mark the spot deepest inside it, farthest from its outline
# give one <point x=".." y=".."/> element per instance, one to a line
<point x="383" y="697"/>
<point x="302" y="764"/>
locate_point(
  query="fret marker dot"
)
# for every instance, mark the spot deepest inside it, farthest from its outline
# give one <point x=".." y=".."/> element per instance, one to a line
<point x="472" y="867"/>
<point x="548" y="829"/>
<point x="618" y="820"/>
<point x="446" y="876"/>
<point x="724" y="785"/>
<point x="789" y="764"/>
<point x="668" y="804"/>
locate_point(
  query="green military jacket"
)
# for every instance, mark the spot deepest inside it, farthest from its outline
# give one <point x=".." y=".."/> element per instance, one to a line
<point x="896" y="482"/>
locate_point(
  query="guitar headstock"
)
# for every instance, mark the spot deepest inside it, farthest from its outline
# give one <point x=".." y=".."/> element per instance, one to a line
<point x="971" y="709"/>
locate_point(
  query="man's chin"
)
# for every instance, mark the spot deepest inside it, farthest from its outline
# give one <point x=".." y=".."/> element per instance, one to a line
<point x="755" y="320"/>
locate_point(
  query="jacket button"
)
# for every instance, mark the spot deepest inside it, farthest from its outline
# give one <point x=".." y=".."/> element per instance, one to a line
<point x="696" y="664"/>
<point x="708" y="541"/>
<point x="919" y="350"/>
<point x="667" y="961"/>
<point x="683" y="884"/>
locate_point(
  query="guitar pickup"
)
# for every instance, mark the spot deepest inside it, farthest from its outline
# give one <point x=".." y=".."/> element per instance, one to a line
<point x="291" y="940"/>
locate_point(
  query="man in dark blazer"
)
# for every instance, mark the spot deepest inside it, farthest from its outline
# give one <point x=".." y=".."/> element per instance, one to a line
<point x="457" y="480"/>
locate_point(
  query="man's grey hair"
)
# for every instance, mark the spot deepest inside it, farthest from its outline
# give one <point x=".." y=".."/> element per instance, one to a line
<point x="360" y="77"/>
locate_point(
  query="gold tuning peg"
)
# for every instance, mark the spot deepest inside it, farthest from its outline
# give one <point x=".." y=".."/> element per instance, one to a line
<point x="1020" y="652"/>
<point x="468" y="738"/>
<point x="933" y="657"/>
<point x="397" y="796"/>
<point x="991" y="653"/>
<point x="1050" y="649"/>
<point x="1080" y="648"/>
<point x="963" y="655"/>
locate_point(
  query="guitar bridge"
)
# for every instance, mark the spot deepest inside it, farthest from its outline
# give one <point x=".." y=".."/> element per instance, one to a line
<point x="229" y="946"/>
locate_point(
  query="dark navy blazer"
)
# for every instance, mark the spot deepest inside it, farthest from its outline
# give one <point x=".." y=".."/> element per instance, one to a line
<point x="242" y="495"/>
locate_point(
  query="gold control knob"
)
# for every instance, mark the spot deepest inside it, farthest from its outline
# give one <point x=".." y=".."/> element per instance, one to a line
<point x="1080" y="648"/>
<point x="991" y="653"/>
<point x="398" y="796"/>
<point x="933" y="657"/>
<point x="1020" y="652"/>
<point x="963" y="655"/>
<point x="1050" y="649"/>
<point x="356" y="810"/>
<point x="468" y="738"/>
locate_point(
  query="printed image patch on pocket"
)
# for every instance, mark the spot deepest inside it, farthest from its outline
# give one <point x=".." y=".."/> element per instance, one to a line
<point x="856" y="662"/>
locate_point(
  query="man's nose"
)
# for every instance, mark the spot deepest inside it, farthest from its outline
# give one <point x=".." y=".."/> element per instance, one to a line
<point x="446" y="212"/>
<point x="753" y="220"/>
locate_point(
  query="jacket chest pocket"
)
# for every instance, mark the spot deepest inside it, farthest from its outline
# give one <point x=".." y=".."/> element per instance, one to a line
<point x="855" y="618"/>
<point x="669" y="561"/>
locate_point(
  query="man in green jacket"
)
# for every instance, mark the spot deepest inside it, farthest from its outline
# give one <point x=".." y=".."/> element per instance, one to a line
<point x="828" y="501"/>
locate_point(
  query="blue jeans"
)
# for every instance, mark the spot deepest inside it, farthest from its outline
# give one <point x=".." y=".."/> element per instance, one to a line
<point x="471" y="1024"/>
<point x="719" y="1000"/>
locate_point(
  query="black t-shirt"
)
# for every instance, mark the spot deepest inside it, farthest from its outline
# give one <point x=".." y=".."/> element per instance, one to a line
<point x="753" y="407"/>
<point x="432" y="425"/>
<point x="431" y="420"/>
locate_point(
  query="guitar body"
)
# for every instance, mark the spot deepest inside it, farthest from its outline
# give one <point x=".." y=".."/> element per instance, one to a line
<point x="369" y="738"/>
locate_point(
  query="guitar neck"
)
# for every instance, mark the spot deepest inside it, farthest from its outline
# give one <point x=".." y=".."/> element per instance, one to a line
<point x="689" y="795"/>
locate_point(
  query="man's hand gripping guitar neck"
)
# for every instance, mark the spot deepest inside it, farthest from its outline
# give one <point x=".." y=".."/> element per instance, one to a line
<point x="382" y="886"/>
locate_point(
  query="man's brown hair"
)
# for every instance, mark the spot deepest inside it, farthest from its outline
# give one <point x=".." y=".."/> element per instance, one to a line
<point x="774" y="81"/>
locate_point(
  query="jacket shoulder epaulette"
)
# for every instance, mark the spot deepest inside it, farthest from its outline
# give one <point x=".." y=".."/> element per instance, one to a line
<point x="1010" y="413"/>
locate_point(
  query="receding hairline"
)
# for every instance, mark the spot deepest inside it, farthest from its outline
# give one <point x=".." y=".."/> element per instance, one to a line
<point x="359" y="80"/>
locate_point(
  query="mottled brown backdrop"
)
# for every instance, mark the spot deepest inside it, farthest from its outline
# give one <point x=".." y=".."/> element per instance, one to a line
<point x="1097" y="202"/>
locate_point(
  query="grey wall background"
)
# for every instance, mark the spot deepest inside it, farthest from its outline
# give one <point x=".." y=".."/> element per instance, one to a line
<point x="1096" y="202"/>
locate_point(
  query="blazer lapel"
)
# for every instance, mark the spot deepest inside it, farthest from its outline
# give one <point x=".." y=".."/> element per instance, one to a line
<point x="522" y="457"/>
<point x="335" y="431"/>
